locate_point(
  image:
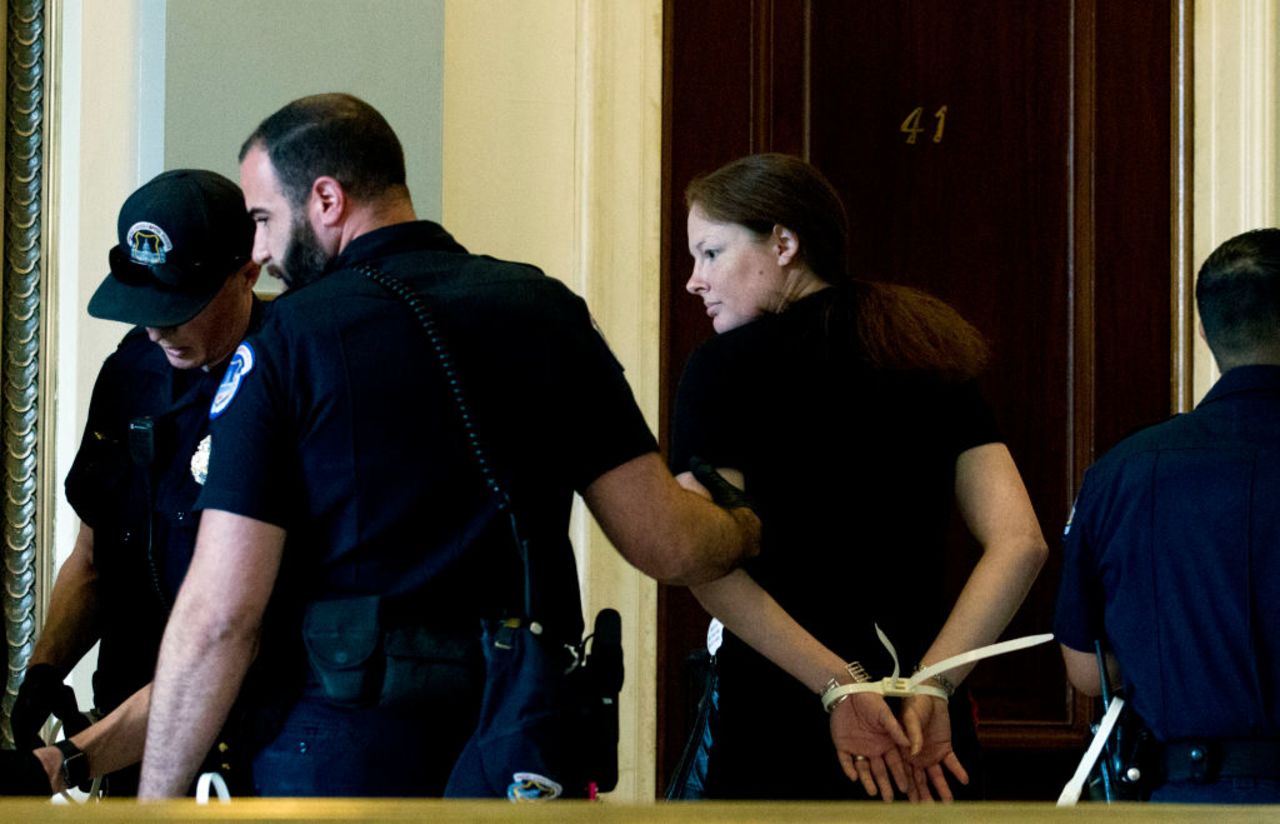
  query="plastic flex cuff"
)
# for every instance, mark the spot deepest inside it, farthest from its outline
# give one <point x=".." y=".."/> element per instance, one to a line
<point x="895" y="687"/>
<point x="1071" y="792"/>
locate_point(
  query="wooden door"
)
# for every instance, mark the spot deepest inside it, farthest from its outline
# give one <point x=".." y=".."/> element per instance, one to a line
<point x="1012" y="158"/>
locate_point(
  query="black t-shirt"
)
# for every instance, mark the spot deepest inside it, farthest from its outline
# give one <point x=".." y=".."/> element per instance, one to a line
<point x="339" y="427"/>
<point x="852" y="471"/>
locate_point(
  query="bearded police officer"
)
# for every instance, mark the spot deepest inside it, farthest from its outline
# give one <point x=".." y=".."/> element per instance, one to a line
<point x="342" y="475"/>
<point x="1173" y="555"/>
<point x="183" y="274"/>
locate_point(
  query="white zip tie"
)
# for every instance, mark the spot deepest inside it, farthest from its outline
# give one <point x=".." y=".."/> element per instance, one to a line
<point x="895" y="687"/>
<point x="219" y="786"/>
<point x="1071" y="792"/>
<point x="978" y="654"/>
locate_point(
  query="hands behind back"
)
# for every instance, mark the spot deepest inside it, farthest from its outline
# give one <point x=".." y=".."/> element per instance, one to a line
<point x="863" y="725"/>
<point x="928" y="724"/>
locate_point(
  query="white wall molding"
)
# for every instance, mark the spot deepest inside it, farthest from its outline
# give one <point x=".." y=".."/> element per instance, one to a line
<point x="552" y="155"/>
<point x="1237" y="127"/>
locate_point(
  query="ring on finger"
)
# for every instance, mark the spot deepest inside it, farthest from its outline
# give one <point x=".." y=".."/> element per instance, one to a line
<point x="859" y="758"/>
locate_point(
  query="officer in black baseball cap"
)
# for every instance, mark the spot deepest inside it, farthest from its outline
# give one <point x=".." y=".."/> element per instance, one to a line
<point x="181" y="235"/>
<point x="182" y="274"/>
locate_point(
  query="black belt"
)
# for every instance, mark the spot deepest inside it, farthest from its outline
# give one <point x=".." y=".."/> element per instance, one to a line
<point x="1205" y="761"/>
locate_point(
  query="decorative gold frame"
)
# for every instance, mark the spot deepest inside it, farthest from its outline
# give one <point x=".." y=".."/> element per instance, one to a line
<point x="23" y="327"/>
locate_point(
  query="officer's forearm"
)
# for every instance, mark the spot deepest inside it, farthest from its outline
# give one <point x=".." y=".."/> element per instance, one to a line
<point x="111" y="744"/>
<point x="116" y="741"/>
<point x="208" y="645"/>
<point x="198" y="676"/>
<point x="669" y="533"/>
<point x="71" y="627"/>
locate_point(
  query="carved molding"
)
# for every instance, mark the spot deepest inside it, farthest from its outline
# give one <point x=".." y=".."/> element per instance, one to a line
<point x="22" y="322"/>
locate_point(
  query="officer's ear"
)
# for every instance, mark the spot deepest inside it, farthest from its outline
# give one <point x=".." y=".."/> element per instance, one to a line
<point x="327" y="205"/>
<point x="250" y="272"/>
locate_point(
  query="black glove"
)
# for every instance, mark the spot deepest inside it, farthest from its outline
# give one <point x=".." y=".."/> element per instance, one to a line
<point x="722" y="492"/>
<point x="21" y="773"/>
<point x="42" y="694"/>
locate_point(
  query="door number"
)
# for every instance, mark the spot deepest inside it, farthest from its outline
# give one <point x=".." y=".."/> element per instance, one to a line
<point x="912" y="129"/>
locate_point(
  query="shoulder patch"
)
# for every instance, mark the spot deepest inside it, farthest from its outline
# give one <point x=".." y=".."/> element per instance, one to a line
<point x="241" y="364"/>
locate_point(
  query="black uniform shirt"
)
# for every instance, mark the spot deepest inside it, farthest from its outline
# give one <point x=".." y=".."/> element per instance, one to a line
<point x="140" y="553"/>
<point x="339" y="428"/>
<point x="1173" y="554"/>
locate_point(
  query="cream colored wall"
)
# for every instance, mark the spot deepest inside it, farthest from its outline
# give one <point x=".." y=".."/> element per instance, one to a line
<point x="1237" y="131"/>
<point x="94" y="144"/>
<point x="228" y="64"/>
<point x="552" y="155"/>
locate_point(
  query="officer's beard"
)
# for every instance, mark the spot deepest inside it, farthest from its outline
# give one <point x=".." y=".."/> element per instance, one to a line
<point x="304" y="260"/>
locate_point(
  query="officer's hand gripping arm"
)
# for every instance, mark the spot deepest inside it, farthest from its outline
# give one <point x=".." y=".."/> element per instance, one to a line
<point x="671" y="534"/>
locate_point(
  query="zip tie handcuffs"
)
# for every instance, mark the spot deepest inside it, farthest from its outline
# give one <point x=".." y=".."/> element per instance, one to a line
<point x="893" y="686"/>
<point x="1071" y="792"/>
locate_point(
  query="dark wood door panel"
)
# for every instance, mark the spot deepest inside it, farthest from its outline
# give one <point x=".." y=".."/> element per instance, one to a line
<point x="1132" y="226"/>
<point x="946" y="127"/>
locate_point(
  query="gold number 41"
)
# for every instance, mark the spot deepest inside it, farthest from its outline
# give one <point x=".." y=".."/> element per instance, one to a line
<point x="911" y="126"/>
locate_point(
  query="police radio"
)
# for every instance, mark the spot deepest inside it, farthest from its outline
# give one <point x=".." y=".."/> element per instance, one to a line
<point x="604" y="672"/>
<point x="142" y="452"/>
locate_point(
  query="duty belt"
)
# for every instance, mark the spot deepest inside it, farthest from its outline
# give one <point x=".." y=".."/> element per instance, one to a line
<point x="1206" y="761"/>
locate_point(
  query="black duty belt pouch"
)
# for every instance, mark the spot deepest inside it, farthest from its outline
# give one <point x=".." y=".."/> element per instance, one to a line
<point x="422" y="663"/>
<point x="341" y="637"/>
<point x="359" y="662"/>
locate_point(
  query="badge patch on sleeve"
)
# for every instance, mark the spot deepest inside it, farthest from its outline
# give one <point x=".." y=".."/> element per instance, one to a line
<point x="241" y="364"/>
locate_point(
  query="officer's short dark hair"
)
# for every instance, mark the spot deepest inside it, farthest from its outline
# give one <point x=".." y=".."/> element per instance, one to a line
<point x="1238" y="292"/>
<point x="333" y="135"/>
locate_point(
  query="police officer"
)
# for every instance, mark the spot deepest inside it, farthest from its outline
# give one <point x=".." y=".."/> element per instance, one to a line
<point x="345" y="502"/>
<point x="183" y="273"/>
<point x="1173" y="555"/>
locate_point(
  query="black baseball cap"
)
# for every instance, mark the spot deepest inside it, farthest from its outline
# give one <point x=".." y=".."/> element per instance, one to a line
<point x="181" y="236"/>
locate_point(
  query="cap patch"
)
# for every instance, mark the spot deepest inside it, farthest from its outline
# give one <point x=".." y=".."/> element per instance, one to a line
<point x="241" y="364"/>
<point x="148" y="243"/>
